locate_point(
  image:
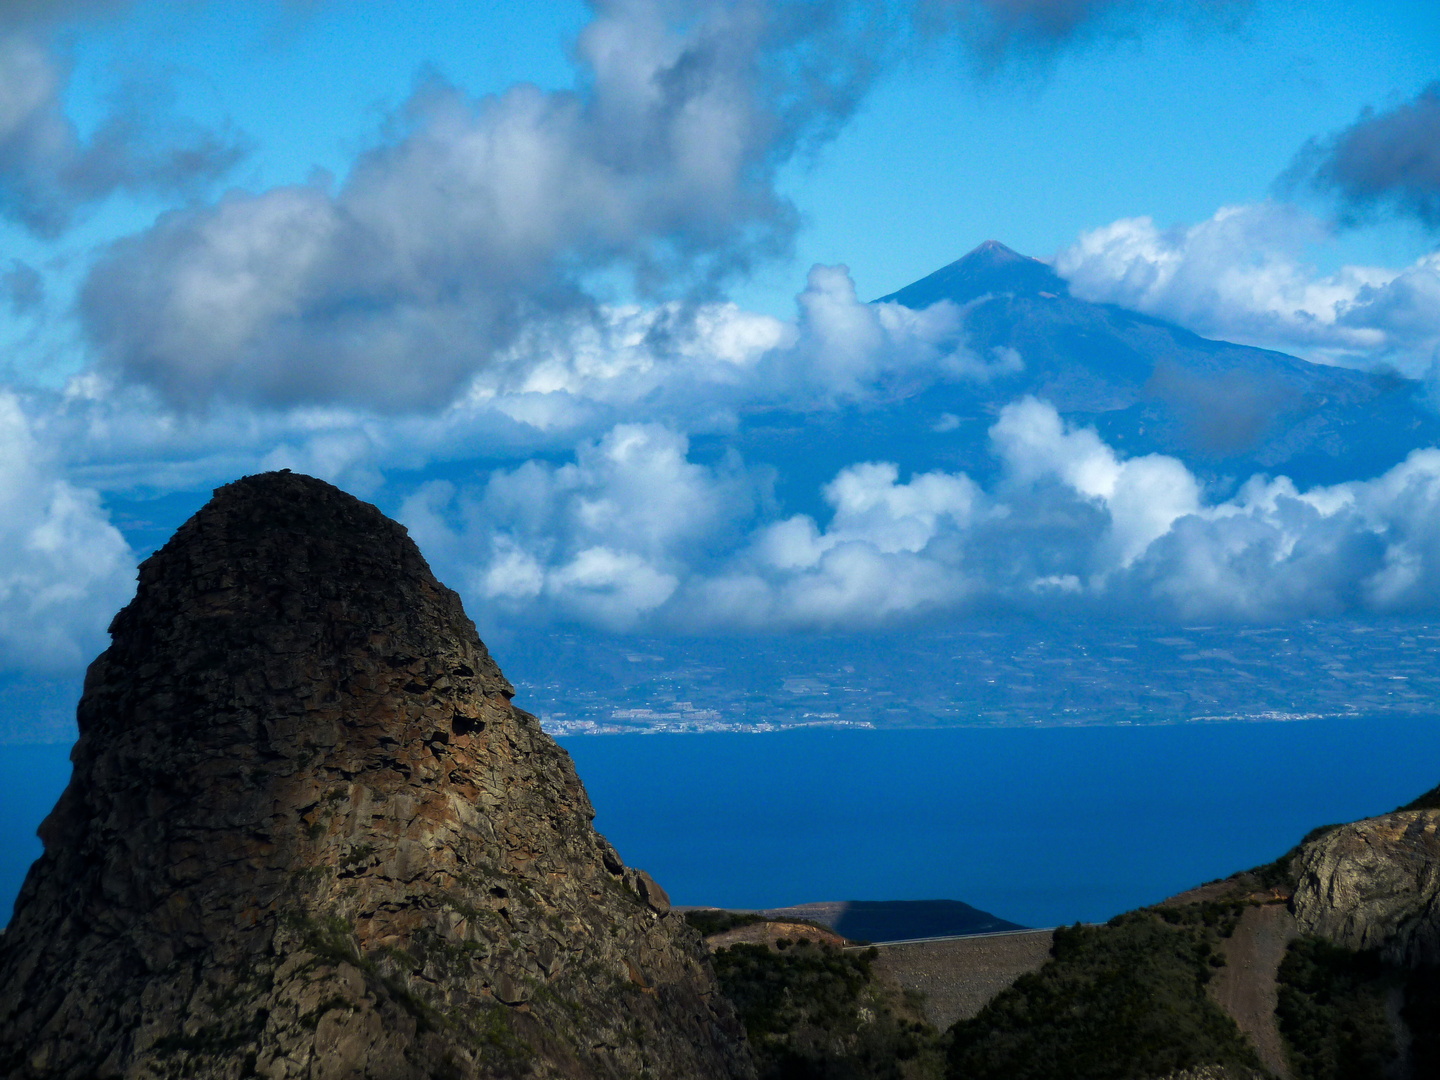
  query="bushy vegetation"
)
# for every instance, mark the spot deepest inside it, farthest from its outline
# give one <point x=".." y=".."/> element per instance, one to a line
<point x="814" y="1012"/>
<point x="1422" y="1016"/>
<point x="1280" y="874"/>
<point x="1331" y="1011"/>
<point x="1114" y="1002"/>
<point x="1429" y="801"/>
<point x="715" y="921"/>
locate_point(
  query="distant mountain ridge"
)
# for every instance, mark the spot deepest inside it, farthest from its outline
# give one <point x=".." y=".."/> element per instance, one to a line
<point x="1147" y="386"/>
<point x="1152" y="386"/>
<point x="897" y="920"/>
<point x="990" y="268"/>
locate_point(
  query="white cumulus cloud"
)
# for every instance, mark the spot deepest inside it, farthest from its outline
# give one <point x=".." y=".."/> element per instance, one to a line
<point x="1142" y="495"/>
<point x="1269" y="552"/>
<point x="604" y="539"/>
<point x="481" y="216"/>
<point x="690" y="363"/>
<point x="634" y="534"/>
<point x="1240" y="276"/>
<point x="64" y="568"/>
<point x="889" y="552"/>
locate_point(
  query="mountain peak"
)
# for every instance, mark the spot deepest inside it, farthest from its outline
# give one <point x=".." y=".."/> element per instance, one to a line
<point x="994" y="253"/>
<point x="990" y="268"/>
<point x="308" y="830"/>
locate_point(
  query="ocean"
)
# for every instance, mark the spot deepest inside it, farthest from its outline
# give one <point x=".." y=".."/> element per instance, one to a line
<point x="1041" y="826"/>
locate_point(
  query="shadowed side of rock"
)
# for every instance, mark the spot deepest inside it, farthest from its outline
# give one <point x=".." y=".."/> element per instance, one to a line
<point x="309" y="835"/>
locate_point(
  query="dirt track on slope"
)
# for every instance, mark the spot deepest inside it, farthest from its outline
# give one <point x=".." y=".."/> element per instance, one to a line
<point x="1245" y="986"/>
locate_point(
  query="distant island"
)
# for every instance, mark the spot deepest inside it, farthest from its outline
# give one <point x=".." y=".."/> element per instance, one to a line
<point x="309" y="833"/>
<point x="1228" y="412"/>
<point x="1097" y="672"/>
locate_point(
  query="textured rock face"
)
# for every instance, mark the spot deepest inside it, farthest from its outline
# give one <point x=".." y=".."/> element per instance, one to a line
<point x="1375" y="884"/>
<point x="308" y="835"/>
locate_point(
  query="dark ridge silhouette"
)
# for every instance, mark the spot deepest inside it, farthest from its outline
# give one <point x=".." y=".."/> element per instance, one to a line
<point x="896" y="920"/>
<point x="904" y="920"/>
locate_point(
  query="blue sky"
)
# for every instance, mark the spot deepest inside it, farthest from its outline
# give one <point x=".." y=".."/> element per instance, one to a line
<point x="1142" y="113"/>
<point x="503" y="271"/>
<point x="1171" y="121"/>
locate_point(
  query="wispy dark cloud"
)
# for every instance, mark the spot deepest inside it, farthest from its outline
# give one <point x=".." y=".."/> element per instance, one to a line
<point x="22" y="288"/>
<point x="1001" y="30"/>
<point x="1386" y="161"/>
<point x="483" y="215"/>
<point x="48" y="172"/>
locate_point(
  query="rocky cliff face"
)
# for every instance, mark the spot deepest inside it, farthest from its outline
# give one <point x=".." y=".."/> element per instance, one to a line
<point x="1375" y="884"/>
<point x="308" y="835"/>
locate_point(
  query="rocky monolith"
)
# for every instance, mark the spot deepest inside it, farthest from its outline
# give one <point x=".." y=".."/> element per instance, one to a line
<point x="1375" y="884"/>
<point x="308" y="835"/>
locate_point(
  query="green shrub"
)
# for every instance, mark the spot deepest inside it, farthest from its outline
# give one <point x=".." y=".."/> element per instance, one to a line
<point x="818" y="1012"/>
<point x="714" y="921"/>
<point x="1331" y="1011"/>
<point x="1429" y="801"/>
<point x="1115" y="1002"/>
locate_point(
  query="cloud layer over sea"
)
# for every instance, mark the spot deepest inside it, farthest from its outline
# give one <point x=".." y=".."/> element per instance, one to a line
<point x="508" y="322"/>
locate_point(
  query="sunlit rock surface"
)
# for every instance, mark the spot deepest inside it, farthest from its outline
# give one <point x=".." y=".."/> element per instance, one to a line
<point x="1375" y="884"/>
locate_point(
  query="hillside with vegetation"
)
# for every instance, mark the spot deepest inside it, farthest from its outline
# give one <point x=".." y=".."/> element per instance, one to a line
<point x="811" y="1010"/>
<point x="1158" y="993"/>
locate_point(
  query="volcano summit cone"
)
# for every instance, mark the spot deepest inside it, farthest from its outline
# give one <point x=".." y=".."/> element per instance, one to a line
<point x="308" y="835"/>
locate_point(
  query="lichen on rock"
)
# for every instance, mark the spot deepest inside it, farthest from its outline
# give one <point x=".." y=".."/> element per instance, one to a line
<point x="308" y="834"/>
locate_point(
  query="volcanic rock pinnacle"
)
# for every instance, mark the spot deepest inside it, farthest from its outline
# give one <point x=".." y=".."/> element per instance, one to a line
<point x="308" y="835"/>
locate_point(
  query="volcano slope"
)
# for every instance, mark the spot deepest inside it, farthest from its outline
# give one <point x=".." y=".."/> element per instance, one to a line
<point x="308" y="835"/>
